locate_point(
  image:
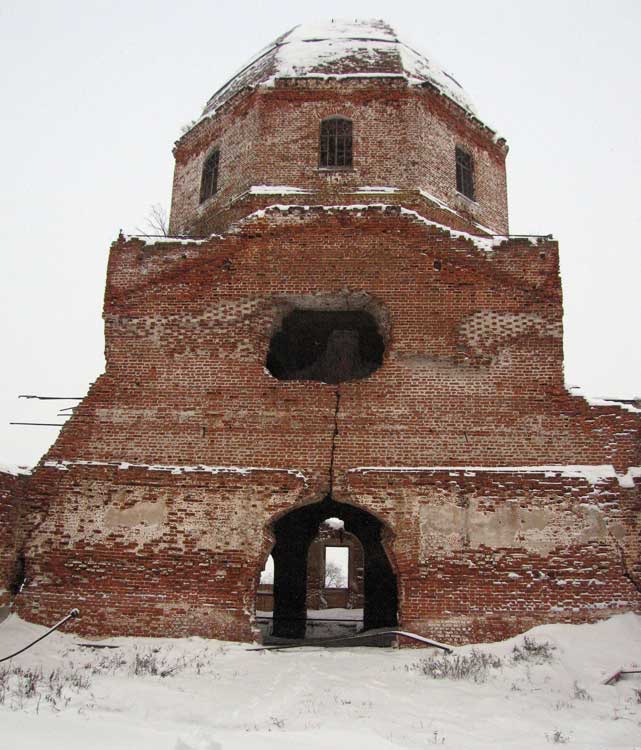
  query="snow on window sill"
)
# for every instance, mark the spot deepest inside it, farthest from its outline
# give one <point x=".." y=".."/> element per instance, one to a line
<point x="467" y="199"/>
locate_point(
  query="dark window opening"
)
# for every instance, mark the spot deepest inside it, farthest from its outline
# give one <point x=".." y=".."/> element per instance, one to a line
<point x="336" y="143"/>
<point x="326" y="346"/>
<point x="209" y="181"/>
<point x="464" y="173"/>
<point x="19" y="575"/>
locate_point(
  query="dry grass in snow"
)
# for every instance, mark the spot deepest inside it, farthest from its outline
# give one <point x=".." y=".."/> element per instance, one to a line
<point x="534" y="691"/>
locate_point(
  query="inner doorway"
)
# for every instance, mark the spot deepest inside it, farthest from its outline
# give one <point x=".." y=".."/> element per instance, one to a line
<point x="294" y="534"/>
<point x="335" y="573"/>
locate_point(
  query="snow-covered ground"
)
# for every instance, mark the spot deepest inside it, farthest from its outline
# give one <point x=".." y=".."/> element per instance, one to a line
<point x="195" y="694"/>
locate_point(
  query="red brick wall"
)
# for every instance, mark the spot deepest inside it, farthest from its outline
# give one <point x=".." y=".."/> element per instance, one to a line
<point x="403" y="137"/>
<point x="472" y="376"/>
<point x="10" y="498"/>
<point x="472" y="371"/>
<point x="482" y="555"/>
<point x="148" y="552"/>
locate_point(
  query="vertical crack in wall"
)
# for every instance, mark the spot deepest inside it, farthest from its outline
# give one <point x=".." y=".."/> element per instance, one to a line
<point x="625" y="570"/>
<point x="334" y="436"/>
<point x="624" y="563"/>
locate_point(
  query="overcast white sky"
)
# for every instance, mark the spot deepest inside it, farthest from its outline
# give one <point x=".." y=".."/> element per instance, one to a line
<point x="94" y="94"/>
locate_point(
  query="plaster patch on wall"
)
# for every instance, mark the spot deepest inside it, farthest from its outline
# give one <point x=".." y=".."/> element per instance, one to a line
<point x="198" y="519"/>
<point x="140" y="514"/>
<point x="449" y="523"/>
<point x="93" y="514"/>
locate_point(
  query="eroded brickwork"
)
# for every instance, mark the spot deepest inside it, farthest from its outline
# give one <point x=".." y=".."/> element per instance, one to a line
<point x="10" y="533"/>
<point x="472" y="376"/>
<point x="487" y="554"/>
<point x="403" y="138"/>
<point x="486" y="496"/>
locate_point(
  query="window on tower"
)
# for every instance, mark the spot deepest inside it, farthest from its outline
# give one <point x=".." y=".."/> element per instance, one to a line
<point x="209" y="180"/>
<point x="336" y="142"/>
<point x="464" y="173"/>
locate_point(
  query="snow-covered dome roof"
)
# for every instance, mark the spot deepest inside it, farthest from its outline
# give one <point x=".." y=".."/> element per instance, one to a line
<point x="364" y="49"/>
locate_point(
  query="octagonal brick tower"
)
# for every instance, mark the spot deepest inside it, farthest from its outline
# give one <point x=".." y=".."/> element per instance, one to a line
<point x="408" y="118"/>
<point x="339" y="326"/>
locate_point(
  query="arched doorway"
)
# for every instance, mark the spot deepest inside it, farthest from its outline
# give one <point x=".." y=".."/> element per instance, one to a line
<point x="294" y="532"/>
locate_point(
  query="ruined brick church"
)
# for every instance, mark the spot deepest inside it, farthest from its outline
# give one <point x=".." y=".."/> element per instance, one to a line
<point x="338" y="326"/>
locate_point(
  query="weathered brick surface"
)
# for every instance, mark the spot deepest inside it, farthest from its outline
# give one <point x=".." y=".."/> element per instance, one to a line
<point x="154" y="510"/>
<point x="472" y="376"/>
<point x="485" y="554"/>
<point x="10" y="536"/>
<point x="403" y="137"/>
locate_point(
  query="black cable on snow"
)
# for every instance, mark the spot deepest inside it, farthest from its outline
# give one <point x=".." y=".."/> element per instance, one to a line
<point x="72" y="614"/>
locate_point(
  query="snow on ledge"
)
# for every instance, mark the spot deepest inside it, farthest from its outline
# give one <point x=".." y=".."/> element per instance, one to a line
<point x="14" y="470"/>
<point x="439" y="202"/>
<point x="622" y="402"/>
<point x="486" y="244"/>
<point x="174" y="469"/>
<point x="594" y="474"/>
<point x="375" y="189"/>
<point x="277" y="190"/>
<point x="152" y="239"/>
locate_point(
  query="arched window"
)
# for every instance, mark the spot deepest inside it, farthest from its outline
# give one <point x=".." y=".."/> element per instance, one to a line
<point x="464" y="173"/>
<point x="209" y="181"/>
<point x="336" y="142"/>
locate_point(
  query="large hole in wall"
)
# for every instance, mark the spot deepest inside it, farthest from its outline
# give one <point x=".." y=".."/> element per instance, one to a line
<point x="330" y="346"/>
<point x="300" y="592"/>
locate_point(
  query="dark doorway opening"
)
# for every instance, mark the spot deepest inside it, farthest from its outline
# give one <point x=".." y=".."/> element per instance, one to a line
<point x="330" y="346"/>
<point x="19" y="575"/>
<point x="294" y="534"/>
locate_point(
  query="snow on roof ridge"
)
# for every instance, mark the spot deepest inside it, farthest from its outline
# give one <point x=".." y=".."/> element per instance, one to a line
<point x="334" y="523"/>
<point x="417" y="67"/>
<point x="299" y="52"/>
<point x="486" y="244"/>
<point x="594" y="474"/>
